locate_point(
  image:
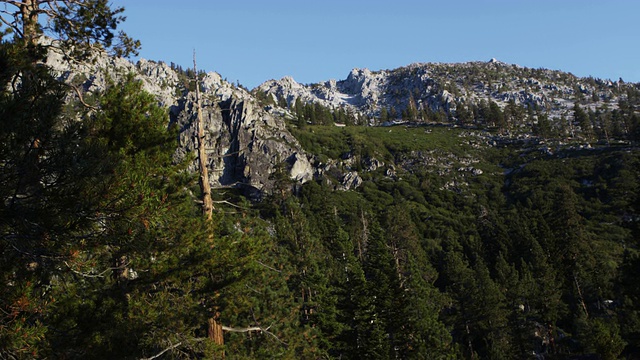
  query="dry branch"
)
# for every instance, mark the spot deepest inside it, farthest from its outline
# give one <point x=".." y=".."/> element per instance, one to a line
<point x="163" y="351"/>
<point x="254" y="328"/>
<point x="80" y="96"/>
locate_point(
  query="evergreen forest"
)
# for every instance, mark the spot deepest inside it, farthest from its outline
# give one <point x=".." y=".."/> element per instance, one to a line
<point x="105" y="252"/>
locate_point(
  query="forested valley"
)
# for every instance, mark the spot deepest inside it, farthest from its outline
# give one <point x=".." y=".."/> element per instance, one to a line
<point x="464" y="236"/>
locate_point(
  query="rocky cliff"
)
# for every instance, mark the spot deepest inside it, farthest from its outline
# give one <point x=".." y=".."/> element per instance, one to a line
<point x="245" y="143"/>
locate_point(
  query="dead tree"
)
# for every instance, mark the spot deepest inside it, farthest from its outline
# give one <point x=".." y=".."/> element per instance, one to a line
<point x="214" y="328"/>
<point x="205" y="186"/>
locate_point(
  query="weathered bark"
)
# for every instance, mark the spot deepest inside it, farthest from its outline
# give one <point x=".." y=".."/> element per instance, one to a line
<point x="205" y="186"/>
<point x="29" y="12"/>
<point x="214" y="332"/>
<point x="214" y="329"/>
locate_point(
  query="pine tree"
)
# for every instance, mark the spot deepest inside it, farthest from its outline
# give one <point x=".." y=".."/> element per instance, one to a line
<point x="78" y="23"/>
<point x="574" y="251"/>
<point x="629" y="313"/>
<point x="375" y="304"/>
<point x="27" y="234"/>
<point x="384" y="115"/>
<point x="496" y="117"/>
<point x="107" y="203"/>
<point x="416" y="328"/>
<point x="582" y="119"/>
<point x="478" y="314"/>
<point x="465" y="116"/>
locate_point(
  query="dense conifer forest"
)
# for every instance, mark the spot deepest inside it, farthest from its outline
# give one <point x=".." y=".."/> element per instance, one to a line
<point x="460" y="242"/>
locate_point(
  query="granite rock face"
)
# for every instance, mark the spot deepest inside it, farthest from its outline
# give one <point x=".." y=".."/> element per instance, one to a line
<point x="441" y="87"/>
<point x="244" y="142"/>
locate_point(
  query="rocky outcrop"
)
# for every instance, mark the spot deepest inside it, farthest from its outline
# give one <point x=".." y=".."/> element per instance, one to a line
<point x="93" y="76"/>
<point x="301" y="168"/>
<point x="350" y="180"/>
<point x="244" y="142"/>
<point x="435" y="87"/>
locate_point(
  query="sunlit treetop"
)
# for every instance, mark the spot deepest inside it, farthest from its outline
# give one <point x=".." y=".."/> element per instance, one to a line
<point x="79" y="25"/>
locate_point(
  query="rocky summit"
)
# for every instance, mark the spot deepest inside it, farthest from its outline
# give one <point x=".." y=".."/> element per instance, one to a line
<point x="436" y="87"/>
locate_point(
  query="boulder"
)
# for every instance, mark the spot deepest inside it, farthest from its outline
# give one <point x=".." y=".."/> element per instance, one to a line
<point x="351" y="180"/>
<point x="301" y="169"/>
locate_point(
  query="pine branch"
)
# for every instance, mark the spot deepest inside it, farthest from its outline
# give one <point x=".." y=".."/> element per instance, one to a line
<point x="13" y="25"/>
<point x="268" y="267"/>
<point x="254" y="328"/>
<point x="15" y="3"/>
<point x="230" y="204"/>
<point x="80" y="96"/>
<point x="163" y="351"/>
<point x="101" y="275"/>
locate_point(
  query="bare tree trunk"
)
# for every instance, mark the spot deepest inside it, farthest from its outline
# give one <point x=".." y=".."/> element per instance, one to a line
<point x="584" y="305"/>
<point x="363" y="239"/>
<point x="205" y="186"/>
<point x="214" y="332"/>
<point x="214" y="329"/>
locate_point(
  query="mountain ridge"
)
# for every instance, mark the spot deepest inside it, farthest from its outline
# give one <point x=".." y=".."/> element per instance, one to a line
<point x="436" y="86"/>
<point x="249" y="133"/>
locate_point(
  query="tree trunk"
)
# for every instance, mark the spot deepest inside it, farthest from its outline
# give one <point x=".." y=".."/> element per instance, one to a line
<point x="580" y="296"/>
<point x="214" y="329"/>
<point x="205" y="186"/>
<point x="29" y="13"/>
<point x="214" y="332"/>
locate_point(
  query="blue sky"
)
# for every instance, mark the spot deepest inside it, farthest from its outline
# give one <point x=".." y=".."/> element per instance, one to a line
<point x="252" y="41"/>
